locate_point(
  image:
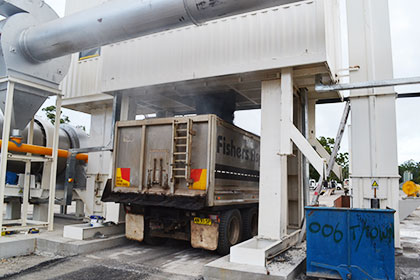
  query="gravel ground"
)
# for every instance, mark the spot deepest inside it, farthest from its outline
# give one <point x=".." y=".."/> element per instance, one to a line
<point x="13" y="266"/>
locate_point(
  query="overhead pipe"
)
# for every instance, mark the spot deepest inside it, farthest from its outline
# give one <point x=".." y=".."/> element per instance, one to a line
<point x="340" y="100"/>
<point x="120" y="20"/>
<point x="16" y="145"/>
<point x="368" y="84"/>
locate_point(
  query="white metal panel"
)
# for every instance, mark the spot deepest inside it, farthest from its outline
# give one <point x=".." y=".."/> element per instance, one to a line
<point x="333" y="36"/>
<point x="84" y="77"/>
<point x="274" y="38"/>
<point x="292" y="35"/>
<point x="100" y="135"/>
<point x="370" y="43"/>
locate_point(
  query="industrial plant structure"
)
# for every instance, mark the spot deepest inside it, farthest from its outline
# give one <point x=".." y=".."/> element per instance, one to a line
<point x="161" y="80"/>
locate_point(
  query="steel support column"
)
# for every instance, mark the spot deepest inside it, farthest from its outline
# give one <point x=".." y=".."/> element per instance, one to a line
<point x="5" y="145"/>
<point x="373" y="119"/>
<point x="276" y="114"/>
<point x="53" y="173"/>
<point x="278" y="133"/>
<point x="26" y="183"/>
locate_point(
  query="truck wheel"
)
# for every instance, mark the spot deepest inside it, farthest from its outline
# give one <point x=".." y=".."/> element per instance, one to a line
<point x="230" y="231"/>
<point x="250" y="223"/>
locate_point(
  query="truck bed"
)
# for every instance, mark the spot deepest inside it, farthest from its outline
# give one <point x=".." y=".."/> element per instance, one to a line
<point x="186" y="162"/>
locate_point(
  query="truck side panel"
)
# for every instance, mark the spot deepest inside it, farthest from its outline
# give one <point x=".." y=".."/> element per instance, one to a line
<point x="236" y="166"/>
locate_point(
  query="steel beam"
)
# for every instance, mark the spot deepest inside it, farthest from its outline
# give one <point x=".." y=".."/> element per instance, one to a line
<point x="272" y="223"/>
<point x="5" y="145"/>
<point x="53" y="173"/>
<point x="26" y="183"/>
<point x="368" y="84"/>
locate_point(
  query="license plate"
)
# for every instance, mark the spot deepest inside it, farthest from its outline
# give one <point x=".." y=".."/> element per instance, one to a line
<point x="202" y="221"/>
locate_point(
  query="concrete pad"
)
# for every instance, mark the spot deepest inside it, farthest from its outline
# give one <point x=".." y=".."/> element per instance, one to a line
<point x="69" y="247"/>
<point x="21" y="246"/>
<point x="54" y="242"/>
<point x="223" y="269"/>
<point x="85" y="231"/>
<point x="257" y="251"/>
<point x="288" y="265"/>
<point x="16" y="247"/>
<point x="253" y="252"/>
<point x="407" y="206"/>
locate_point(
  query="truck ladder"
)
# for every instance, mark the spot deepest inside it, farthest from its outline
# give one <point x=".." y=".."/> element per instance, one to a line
<point x="181" y="151"/>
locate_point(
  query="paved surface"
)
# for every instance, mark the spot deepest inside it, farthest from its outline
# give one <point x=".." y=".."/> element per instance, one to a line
<point x="408" y="263"/>
<point x="174" y="260"/>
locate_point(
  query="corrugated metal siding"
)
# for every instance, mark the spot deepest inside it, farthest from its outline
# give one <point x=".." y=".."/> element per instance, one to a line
<point x="275" y="38"/>
<point x="84" y="77"/>
<point x="334" y="47"/>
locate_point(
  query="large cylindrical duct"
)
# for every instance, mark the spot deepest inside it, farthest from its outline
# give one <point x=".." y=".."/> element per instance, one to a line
<point x="119" y="20"/>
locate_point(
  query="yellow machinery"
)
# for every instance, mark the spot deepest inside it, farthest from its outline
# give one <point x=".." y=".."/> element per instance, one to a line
<point x="411" y="189"/>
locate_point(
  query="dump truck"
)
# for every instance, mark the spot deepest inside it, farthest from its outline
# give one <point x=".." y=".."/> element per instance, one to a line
<point x="188" y="178"/>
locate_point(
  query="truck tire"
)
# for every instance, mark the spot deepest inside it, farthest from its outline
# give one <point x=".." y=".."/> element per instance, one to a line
<point x="230" y="231"/>
<point x="250" y="223"/>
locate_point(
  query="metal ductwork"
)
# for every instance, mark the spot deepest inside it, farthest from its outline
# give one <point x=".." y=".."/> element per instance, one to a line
<point x="115" y="21"/>
<point x="35" y="44"/>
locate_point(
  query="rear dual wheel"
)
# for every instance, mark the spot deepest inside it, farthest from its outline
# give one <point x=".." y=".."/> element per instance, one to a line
<point x="250" y="222"/>
<point x="230" y="231"/>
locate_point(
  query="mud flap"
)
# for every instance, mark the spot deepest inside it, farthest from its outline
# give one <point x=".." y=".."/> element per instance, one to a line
<point x="204" y="236"/>
<point x="134" y="227"/>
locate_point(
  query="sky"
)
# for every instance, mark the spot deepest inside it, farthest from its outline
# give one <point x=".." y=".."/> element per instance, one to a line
<point x="405" y="21"/>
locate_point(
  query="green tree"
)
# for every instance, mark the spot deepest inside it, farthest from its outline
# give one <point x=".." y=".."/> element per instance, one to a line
<point x="50" y="113"/>
<point x="342" y="159"/>
<point x="413" y="167"/>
